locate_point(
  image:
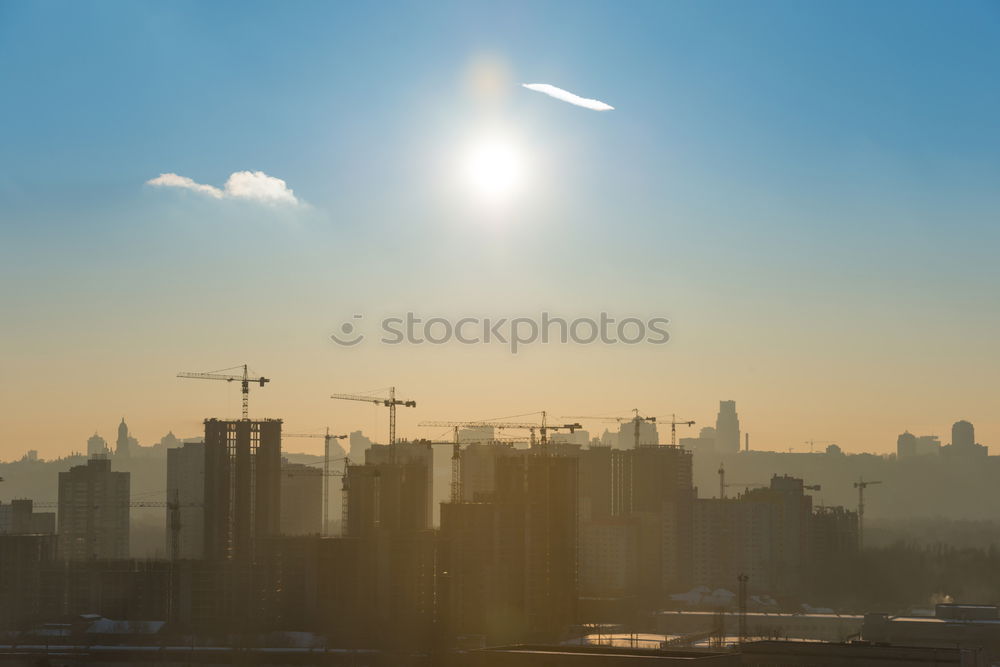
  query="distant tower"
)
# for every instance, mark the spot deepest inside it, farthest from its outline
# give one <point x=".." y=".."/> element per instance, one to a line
<point x="727" y="428"/>
<point x="121" y="446"/>
<point x="906" y="445"/>
<point x="96" y="447"/>
<point x="963" y="434"/>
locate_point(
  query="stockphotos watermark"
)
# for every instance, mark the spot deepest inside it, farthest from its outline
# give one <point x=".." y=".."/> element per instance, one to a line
<point x="512" y="332"/>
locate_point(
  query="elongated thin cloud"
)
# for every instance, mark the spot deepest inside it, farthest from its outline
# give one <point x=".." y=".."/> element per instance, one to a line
<point x="566" y="96"/>
<point x="251" y="185"/>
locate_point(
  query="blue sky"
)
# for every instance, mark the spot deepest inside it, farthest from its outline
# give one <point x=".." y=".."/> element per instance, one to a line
<point x="813" y="185"/>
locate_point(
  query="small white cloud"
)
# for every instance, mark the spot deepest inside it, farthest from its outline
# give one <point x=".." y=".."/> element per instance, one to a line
<point x="175" y="181"/>
<point x="252" y="185"/>
<point x="566" y="96"/>
<point x="259" y="186"/>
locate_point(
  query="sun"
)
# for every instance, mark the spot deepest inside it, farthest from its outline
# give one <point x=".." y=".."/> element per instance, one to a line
<point x="494" y="168"/>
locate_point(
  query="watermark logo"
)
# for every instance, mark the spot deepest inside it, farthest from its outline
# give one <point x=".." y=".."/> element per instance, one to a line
<point x="513" y="332"/>
<point x="348" y="334"/>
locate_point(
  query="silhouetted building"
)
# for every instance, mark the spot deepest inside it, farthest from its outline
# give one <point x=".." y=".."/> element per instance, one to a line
<point x="123" y="443"/>
<point x="703" y="444"/>
<point x="609" y="557"/>
<point x="301" y="499"/>
<point x="420" y="456"/>
<point x="357" y="443"/>
<point x="963" y="434"/>
<point x="389" y="515"/>
<point x="508" y="565"/>
<point x="97" y="447"/>
<point x="478" y="464"/>
<point x="627" y="431"/>
<point x="242" y="485"/>
<point x="536" y="496"/>
<point x="727" y="428"/>
<point x="93" y="512"/>
<point x="186" y="488"/>
<point x="732" y="537"/>
<point x="833" y="534"/>
<point x="22" y="558"/>
<point x="909" y="445"/>
<point x="770" y="534"/>
<point x="963" y="442"/>
<point x="601" y="468"/>
<point x="19" y="518"/>
<point x="393" y="490"/>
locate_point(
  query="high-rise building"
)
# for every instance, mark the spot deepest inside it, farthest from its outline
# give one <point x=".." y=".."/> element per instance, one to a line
<point x="19" y="518"/>
<point x="357" y="443"/>
<point x="242" y="486"/>
<point x="647" y="433"/>
<point x="609" y="557"/>
<point x="22" y="559"/>
<point x="508" y="564"/>
<point x="963" y="434"/>
<point x="186" y="488"/>
<point x="727" y="428"/>
<point x="536" y="498"/>
<point x="393" y="490"/>
<point x="478" y="465"/>
<point x="703" y="444"/>
<point x="122" y="444"/>
<point x="963" y="442"/>
<point x="94" y="512"/>
<point x="301" y="499"/>
<point x="731" y="537"/>
<point x="909" y="445"/>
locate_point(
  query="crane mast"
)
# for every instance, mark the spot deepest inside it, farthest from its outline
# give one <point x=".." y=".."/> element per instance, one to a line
<point x="327" y="438"/>
<point x="861" y="485"/>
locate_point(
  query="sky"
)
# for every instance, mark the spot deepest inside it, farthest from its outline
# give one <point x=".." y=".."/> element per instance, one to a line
<point x="809" y="192"/>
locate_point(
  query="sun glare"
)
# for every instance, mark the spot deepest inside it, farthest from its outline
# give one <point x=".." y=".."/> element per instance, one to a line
<point x="494" y="169"/>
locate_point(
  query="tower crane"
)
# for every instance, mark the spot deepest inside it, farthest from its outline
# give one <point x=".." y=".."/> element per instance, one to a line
<point x="817" y="442"/>
<point x="861" y="485"/>
<point x="326" y="467"/>
<point x="674" y="423"/>
<point x="543" y="427"/>
<point x="723" y="484"/>
<point x="456" y="459"/>
<point x="637" y="419"/>
<point x="173" y="507"/>
<point x="390" y="402"/>
<point x="245" y="379"/>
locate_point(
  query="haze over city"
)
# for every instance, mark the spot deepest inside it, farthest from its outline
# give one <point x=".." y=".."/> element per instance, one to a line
<point x="510" y="334"/>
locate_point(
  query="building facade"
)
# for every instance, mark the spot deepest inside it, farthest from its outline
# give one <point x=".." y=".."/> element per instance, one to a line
<point x="242" y="486"/>
<point x="94" y="512"/>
